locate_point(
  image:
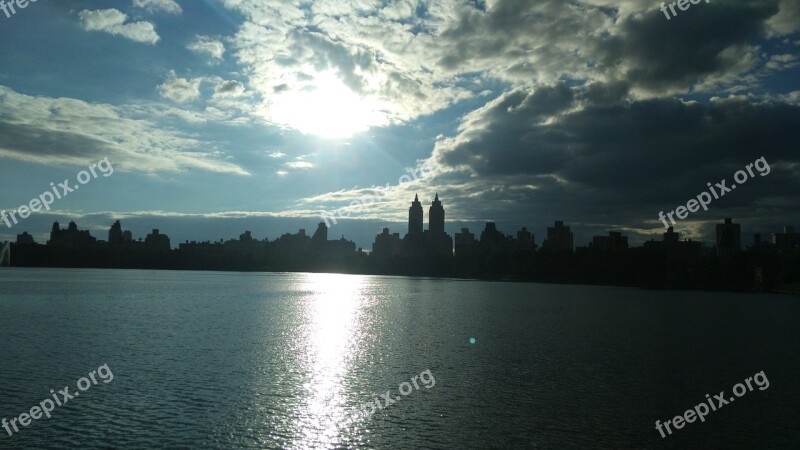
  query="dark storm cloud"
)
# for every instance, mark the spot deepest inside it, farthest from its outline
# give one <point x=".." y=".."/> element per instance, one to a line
<point x="32" y="142"/>
<point x="545" y="40"/>
<point x="510" y="136"/>
<point x="622" y="163"/>
<point x="614" y="146"/>
<point x="493" y="140"/>
<point x="706" y="40"/>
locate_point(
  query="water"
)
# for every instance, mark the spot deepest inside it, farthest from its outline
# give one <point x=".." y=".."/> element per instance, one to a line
<point x="235" y="360"/>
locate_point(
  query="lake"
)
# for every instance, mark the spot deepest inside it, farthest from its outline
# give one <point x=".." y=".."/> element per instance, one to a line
<point x="262" y="360"/>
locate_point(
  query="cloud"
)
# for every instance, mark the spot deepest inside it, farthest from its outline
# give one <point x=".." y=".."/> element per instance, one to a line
<point x="300" y="165"/>
<point x="168" y="6"/>
<point x="229" y="89"/>
<point x="208" y="46"/>
<point x="113" y="21"/>
<point x="787" y="21"/>
<point x="180" y="90"/>
<point x="65" y="131"/>
<point x="277" y="155"/>
<point x="554" y="151"/>
<point x="287" y="61"/>
<point x="782" y="62"/>
<point x="410" y="60"/>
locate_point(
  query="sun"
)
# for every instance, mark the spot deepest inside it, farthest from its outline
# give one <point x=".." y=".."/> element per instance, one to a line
<point x="326" y="108"/>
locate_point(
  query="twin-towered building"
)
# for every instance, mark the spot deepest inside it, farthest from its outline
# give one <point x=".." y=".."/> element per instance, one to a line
<point x="436" y="242"/>
<point x="417" y="242"/>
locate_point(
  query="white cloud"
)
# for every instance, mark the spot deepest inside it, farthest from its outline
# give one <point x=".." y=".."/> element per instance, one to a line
<point x="402" y="65"/>
<point x="168" y="6"/>
<point x="277" y="155"/>
<point x="306" y="76"/>
<point x="782" y="62"/>
<point x="300" y="165"/>
<point x="180" y="90"/>
<point x="112" y="21"/>
<point x="65" y="131"/>
<point x="208" y="46"/>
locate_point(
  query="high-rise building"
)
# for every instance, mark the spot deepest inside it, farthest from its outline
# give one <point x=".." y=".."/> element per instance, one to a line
<point x="787" y="240"/>
<point x="71" y="236"/>
<point x="559" y="237"/>
<point x="466" y="244"/>
<point x="321" y="235"/>
<point x="115" y="234"/>
<point x="157" y="241"/>
<point x="525" y="240"/>
<point x="25" y="239"/>
<point x="492" y="239"/>
<point x="671" y="236"/>
<point x="729" y="238"/>
<point x="614" y="241"/>
<point x="386" y="245"/>
<point x="415" y="218"/>
<point x="436" y="217"/>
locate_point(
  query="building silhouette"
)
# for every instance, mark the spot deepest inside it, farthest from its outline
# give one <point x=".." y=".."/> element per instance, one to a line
<point x="5" y="254"/>
<point x="432" y="242"/>
<point x="671" y="236"/>
<point x="559" y="238"/>
<point x="492" y="240"/>
<point x="386" y="245"/>
<point x="786" y="241"/>
<point x="70" y="237"/>
<point x="115" y="236"/>
<point x="729" y="238"/>
<point x="320" y="236"/>
<point x="614" y="241"/>
<point x="157" y="242"/>
<point x="25" y="239"/>
<point x="415" y="219"/>
<point x="437" y="242"/>
<point x="667" y="263"/>
<point x="436" y="217"/>
<point x="466" y="245"/>
<point x="525" y="240"/>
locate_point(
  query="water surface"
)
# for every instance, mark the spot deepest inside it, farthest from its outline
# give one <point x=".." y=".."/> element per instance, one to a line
<point x="246" y="360"/>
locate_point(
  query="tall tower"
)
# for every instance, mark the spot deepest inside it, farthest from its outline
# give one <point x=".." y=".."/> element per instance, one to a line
<point x="729" y="238"/>
<point x="115" y="234"/>
<point x="415" y="218"/>
<point x="436" y="217"/>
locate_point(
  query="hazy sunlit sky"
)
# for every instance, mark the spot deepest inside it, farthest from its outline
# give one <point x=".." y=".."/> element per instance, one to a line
<point x="225" y="115"/>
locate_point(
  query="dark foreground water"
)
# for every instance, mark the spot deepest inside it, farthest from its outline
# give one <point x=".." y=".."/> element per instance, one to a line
<point x="231" y="360"/>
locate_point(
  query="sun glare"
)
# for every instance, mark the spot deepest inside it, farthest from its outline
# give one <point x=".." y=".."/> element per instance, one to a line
<point x="326" y="108"/>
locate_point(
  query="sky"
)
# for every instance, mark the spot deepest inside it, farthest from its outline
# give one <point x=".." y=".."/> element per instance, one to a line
<point x="220" y="116"/>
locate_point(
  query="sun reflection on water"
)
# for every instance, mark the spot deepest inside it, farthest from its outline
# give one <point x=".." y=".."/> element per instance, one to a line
<point x="332" y="342"/>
